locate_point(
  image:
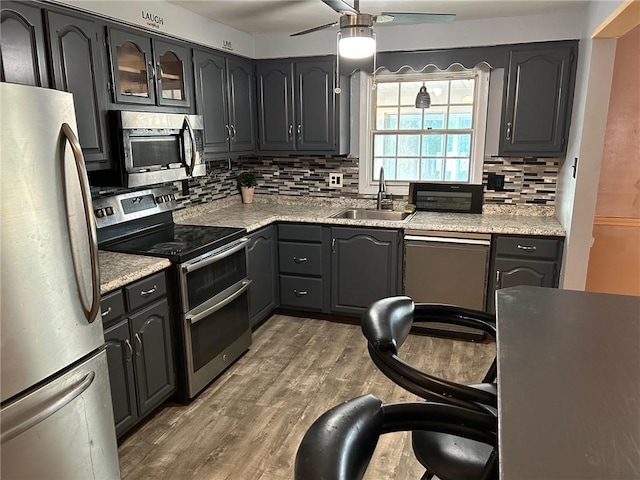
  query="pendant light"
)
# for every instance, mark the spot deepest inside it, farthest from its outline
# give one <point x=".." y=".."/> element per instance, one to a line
<point x="423" y="99"/>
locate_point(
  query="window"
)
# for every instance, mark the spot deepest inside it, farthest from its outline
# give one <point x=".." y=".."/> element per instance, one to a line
<point x="443" y="143"/>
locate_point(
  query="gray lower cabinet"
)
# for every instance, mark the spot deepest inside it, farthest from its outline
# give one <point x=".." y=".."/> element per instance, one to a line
<point x="365" y="266"/>
<point x="139" y="349"/>
<point x="524" y="260"/>
<point x="303" y="267"/>
<point x="262" y="266"/>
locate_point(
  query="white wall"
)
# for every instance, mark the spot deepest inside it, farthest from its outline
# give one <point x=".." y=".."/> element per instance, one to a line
<point x="576" y="198"/>
<point x="495" y="31"/>
<point x="176" y="21"/>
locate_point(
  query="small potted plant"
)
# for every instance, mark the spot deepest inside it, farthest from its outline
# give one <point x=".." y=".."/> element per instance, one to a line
<point x="247" y="182"/>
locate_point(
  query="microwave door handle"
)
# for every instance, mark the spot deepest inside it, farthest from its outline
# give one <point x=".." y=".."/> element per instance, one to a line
<point x="90" y="309"/>
<point x="192" y="137"/>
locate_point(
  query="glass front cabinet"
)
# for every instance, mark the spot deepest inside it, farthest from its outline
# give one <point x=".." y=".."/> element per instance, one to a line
<point x="149" y="71"/>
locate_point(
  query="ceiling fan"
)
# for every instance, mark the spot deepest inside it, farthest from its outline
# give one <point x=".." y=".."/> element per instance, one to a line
<point x="356" y="38"/>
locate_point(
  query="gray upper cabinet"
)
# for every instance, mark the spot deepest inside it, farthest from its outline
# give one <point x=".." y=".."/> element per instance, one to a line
<point x="315" y="105"/>
<point x="225" y="97"/>
<point x="538" y="98"/>
<point x="275" y="106"/>
<point x="365" y="266"/>
<point x="242" y="104"/>
<point x="298" y="109"/>
<point x="23" y="57"/>
<point x="78" y="61"/>
<point x="149" y="71"/>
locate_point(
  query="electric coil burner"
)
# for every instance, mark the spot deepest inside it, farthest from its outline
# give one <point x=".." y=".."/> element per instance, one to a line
<point x="208" y="277"/>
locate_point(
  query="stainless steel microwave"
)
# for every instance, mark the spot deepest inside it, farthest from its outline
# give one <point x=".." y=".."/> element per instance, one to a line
<point x="154" y="148"/>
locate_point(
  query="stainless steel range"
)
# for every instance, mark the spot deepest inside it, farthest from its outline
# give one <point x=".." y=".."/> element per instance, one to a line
<point x="208" y="274"/>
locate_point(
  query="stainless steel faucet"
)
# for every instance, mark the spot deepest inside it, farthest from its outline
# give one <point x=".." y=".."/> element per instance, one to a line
<point x="382" y="201"/>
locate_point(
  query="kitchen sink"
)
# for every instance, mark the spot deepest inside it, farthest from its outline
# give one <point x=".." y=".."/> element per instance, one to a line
<point x="372" y="214"/>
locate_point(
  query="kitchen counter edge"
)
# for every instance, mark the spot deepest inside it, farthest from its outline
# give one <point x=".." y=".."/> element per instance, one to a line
<point x="120" y="269"/>
<point x="257" y="215"/>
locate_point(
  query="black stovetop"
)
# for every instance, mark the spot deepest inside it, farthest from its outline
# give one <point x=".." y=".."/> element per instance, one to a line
<point x="176" y="242"/>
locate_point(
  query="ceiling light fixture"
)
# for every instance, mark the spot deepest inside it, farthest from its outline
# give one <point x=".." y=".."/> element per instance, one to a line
<point x="423" y="99"/>
<point x="355" y="37"/>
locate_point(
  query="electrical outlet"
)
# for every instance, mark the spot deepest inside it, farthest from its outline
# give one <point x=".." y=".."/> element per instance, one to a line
<point x="335" y="180"/>
<point x="495" y="182"/>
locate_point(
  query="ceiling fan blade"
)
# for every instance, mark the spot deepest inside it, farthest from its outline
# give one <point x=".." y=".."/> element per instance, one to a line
<point x="315" y="29"/>
<point x="340" y="6"/>
<point x="398" y="18"/>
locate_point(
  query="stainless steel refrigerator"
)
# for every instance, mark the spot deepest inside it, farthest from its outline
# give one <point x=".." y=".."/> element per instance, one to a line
<point x="56" y="416"/>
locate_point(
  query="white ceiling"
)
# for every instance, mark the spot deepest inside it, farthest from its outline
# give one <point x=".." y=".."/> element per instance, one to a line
<point x="290" y="16"/>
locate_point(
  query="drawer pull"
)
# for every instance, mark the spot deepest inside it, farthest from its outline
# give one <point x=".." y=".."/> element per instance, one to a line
<point x="299" y="259"/>
<point x="106" y="312"/>
<point x="146" y="293"/>
<point x="300" y="293"/>
<point x="527" y="248"/>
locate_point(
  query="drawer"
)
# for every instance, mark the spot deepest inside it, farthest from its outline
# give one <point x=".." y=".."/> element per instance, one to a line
<point x="300" y="258"/>
<point x="301" y="292"/>
<point x="302" y="233"/>
<point x="145" y="291"/>
<point x="112" y="307"/>
<point x="527" y="247"/>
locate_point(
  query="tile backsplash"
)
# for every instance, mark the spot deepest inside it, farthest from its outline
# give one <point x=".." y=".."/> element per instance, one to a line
<point x="527" y="181"/>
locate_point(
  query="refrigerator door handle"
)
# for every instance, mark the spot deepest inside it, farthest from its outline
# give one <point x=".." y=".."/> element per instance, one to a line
<point x="90" y="309"/>
<point x="22" y="419"/>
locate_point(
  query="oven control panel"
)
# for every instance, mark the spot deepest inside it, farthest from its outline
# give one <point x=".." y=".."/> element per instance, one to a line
<point x="133" y="205"/>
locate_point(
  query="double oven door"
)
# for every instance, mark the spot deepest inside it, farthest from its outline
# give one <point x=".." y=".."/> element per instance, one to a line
<point x="214" y="312"/>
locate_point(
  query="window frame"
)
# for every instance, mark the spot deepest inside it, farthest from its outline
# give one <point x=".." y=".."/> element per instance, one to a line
<point x="367" y="184"/>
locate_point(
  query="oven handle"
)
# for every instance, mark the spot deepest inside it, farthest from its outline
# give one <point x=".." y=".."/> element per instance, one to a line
<point x="190" y="267"/>
<point x="467" y="241"/>
<point x="214" y="308"/>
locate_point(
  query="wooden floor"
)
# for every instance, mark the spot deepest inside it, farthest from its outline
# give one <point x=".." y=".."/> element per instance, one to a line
<point x="249" y="422"/>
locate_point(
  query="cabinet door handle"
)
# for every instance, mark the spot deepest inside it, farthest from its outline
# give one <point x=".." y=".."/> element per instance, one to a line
<point x="300" y="293"/>
<point x="139" y="340"/>
<point x="151" y="71"/>
<point x="498" y="279"/>
<point x="333" y="245"/>
<point x="299" y="259"/>
<point x="290" y="132"/>
<point x="233" y="133"/>
<point x="508" y="132"/>
<point x="228" y="132"/>
<point x="146" y="293"/>
<point x="527" y="248"/>
<point x="130" y="348"/>
<point x="299" y="129"/>
<point x="106" y="312"/>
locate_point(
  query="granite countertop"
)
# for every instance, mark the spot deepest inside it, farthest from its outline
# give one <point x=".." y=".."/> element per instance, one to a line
<point x="120" y="269"/>
<point x="257" y="215"/>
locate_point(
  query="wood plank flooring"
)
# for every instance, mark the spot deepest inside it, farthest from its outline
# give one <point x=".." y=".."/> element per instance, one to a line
<point x="249" y="422"/>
